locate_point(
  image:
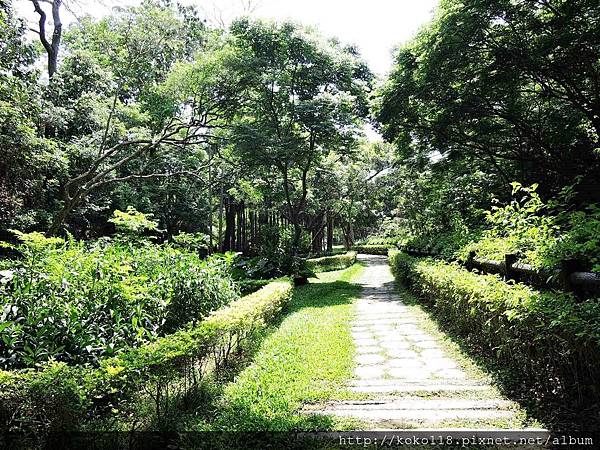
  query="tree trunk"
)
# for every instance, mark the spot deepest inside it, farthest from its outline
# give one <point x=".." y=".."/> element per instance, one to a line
<point x="317" y="234"/>
<point x="221" y="242"/>
<point x="230" y="231"/>
<point x="210" y="209"/>
<point x="348" y="236"/>
<point x="52" y="47"/>
<point x="329" y="232"/>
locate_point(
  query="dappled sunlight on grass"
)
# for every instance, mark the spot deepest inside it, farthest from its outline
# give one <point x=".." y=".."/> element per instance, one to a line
<point x="307" y="359"/>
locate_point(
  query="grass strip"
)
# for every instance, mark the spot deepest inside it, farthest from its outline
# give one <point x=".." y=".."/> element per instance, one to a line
<point x="308" y="358"/>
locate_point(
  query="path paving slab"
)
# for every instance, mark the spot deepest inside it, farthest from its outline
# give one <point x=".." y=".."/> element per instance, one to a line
<point x="404" y="369"/>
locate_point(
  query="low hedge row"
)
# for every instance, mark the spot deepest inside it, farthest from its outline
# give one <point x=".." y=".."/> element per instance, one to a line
<point x="248" y="286"/>
<point x="334" y="262"/>
<point x="372" y="249"/>
<point x="58" y="397"/>
<point x="389" y="241"/>
<point x="548" y="340"/>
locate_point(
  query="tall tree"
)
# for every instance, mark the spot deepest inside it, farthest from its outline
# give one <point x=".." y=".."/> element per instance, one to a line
<point x="50" y="41"/>
<point x="306" y="98"/>
<point x="512" y="85"/>
<point x="31" y="167"/>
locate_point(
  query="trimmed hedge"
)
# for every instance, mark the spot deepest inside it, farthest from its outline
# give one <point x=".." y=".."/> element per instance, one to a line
<point x="551" y="342"/>
<point x="372" y="249"/>
<point x="329" y="263"/>
<point x="385" y="241"/>
<point x="248" y="286"/>
<point x="58" y="397"/>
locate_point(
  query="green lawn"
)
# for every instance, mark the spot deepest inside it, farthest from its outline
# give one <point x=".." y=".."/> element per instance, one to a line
<point x="307" y="359"/>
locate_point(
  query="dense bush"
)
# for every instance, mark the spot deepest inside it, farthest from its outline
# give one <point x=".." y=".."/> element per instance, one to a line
<point x="329" y="263"/>
<point x="248" y="286"/>
<point x="192" y="242"/>
<point x="77" y="302"/>
<point x="447" y="245"/>
<point x="57" y="397"/>
<point x="375" y="240"/>
<point x="541" y="234"/>
<point x="372" y="249"/>
<point x="277" y="256"/>
<point x="548" y="339"/>
<point x="521" y="227"/>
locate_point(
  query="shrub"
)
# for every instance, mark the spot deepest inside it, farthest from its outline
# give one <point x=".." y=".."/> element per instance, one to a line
<point x="372" y="249"/>
<point x="446" y="245"/>
<point x="249" y="286"/>
<point x="278" y="255"/>
<point x="581" y="240"/>
<point x="260" y="267"/>
<point x="374" y="240"/>
<point x="329" y="263"/>
<point x="132" y="222"/>
<point x="192" y="242"/>
<point x="56" y="397"/>
<point x="541" y="234"/>
<point x="521" y="227"/>
<point x="548" y="339"/>
<point x="78" y="303"/>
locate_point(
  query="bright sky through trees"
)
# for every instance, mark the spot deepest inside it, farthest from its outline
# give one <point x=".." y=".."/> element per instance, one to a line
<point x="375" y="26"/>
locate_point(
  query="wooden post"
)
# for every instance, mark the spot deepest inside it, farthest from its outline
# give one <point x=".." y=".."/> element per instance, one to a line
<point x="509" y="260"/>
<point x="567" y="267"/>
<point x="470" y="262"/>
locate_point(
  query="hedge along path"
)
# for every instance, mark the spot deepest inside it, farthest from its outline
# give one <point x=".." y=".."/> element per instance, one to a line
<point x="61" y="397"/>
<point x="332" y="263"/>
<point x="405" y="376"/>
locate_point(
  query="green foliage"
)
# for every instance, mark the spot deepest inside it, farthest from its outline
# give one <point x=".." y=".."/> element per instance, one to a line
<point x="519" y="227"/>
<point x="458" y="105"/>
<point x="192" y="242"/>
<point x="307" y="359"/>
<point x="140" y="44"/>
<point x="132" y="222"/>
<point x="305" y="99"/>
<point x="541" y="234"/>
<point x="32" y="166"/>
<point x="36" y="242"/>
<point x="35" y="403"/>
<point x="79" y="302"/>
<point x="55" y="397"/>
<point x="277" y="256"/>
<point x="372" y="249"/>
<point x="581" y="239"/>
<point x="375" y="240"/>
<point x="248" y="286"/>
<point x="330" y="263"/>
<point x="466" y="86"/>
<point x="541" y="336"/>
<point x="447" y="245"/>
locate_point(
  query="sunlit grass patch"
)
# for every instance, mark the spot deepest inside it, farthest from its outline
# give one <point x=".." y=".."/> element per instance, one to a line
<point x="307" y="359"/>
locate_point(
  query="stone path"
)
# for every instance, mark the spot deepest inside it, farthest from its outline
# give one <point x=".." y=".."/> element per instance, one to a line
<point x="408" y="378"/>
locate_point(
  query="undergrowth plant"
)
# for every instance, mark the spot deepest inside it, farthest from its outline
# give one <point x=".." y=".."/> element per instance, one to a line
<point x="78" y="302"/>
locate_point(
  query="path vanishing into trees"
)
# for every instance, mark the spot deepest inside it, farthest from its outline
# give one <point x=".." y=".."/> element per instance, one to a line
<point x="406" y="372"/>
